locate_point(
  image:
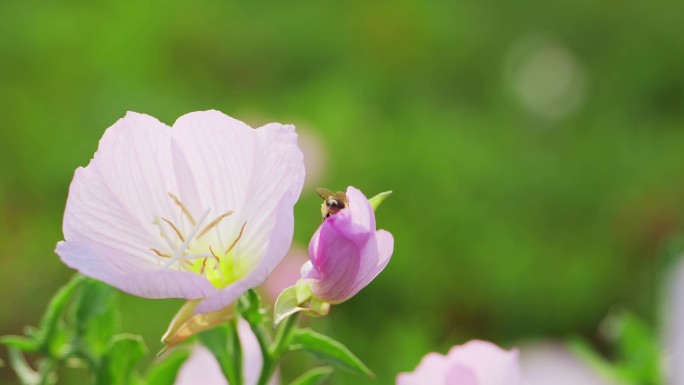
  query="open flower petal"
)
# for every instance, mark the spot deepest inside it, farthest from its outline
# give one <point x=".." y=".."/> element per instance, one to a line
<point x="107" y="265"/>
<point x="111" y="210"/>
<point x="202" y="209"/>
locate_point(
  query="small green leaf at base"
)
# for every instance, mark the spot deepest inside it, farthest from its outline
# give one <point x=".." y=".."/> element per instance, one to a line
<point x="289" y="301"/>
<point x="328" y="350"/>
<point x="314" y="376"/>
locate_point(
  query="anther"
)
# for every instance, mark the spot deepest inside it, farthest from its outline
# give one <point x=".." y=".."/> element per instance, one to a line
<point x="183" y="208"/>
<point x="236" y="239"/>
<point x="160" y="254"/>
<point x="214" y="223"/>
<point x="175" y="229"/>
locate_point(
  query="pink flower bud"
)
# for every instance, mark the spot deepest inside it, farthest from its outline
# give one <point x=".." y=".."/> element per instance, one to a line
<point x="474" y="363"/>
<point x="347" y="251"/>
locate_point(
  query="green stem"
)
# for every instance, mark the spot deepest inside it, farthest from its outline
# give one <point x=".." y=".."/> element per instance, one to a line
<point x="273" y="353"/>
<point x="261" y="336"/>
<point x="237" y="352"/>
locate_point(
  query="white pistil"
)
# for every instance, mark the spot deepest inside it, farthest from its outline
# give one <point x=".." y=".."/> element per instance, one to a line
<point x="164" y="235"/>
<point x="179" y="254"/>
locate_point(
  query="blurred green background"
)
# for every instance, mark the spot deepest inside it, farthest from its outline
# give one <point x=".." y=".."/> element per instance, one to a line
<point x="536" y="149"/>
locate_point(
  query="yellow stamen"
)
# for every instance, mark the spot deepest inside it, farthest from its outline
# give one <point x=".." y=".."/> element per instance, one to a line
<point x="183" y="208"/>
<point x="160" y="254"/>
<point x="214" y="223"/>
<point x="175" y="229"/>
<point x="236" y="239"/>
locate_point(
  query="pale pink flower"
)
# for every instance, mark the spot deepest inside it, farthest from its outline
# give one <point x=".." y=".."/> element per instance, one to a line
<point x="202" y="368"/>
<point x="199" y="210"/>
<point x="673" y="332"/>
<point x="545" y="363"/>
<point x="474" y="363"/>
<point x="347" y="252"/>
<point x="286" y="274"/>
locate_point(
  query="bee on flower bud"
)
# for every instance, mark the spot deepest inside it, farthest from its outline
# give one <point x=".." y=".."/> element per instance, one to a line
<point x="332" y="202"/>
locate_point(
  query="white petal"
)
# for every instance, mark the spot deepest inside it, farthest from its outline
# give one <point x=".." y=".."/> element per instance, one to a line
<point x="258" y="175"/>
<point x="275" y="248"/>
<point x="114" y="200"/>
<point x="276" y="184"/>
<point x="220" y="152"/>
<point x="106" y="264"/>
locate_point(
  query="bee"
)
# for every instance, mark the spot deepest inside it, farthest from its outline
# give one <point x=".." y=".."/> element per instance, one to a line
<point x="332" y="202"/>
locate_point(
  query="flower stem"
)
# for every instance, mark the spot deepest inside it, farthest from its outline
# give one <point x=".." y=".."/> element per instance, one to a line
<point x="273" y="353"/>
<point x="237" y="352"/>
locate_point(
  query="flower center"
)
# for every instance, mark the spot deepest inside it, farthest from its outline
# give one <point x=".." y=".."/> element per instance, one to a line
<point x="200" y="249"/>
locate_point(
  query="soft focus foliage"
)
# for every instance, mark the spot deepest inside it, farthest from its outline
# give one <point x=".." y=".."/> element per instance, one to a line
<point x="534" y="148"/>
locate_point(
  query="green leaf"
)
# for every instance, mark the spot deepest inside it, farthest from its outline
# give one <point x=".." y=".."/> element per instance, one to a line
<point x="328" y="350"/>
<point x="121" y="358"/>
<point x="52" y="336"/>
<point x="21" y="343"/>
<point x="219" y="341"/>
<point x="638" y="348"/>
<point x="314" y="376"/>
<point x="95" y="317"/>
<point x="376" y="200"/>
<point x="165" y="371"/>
<point x="584" y="351"/>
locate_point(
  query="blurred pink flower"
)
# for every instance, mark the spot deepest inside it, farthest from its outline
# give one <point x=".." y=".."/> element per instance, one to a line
<point x="286" y="274"/>
<point x="474" y="363"/>
<point x="673" y="332"/>
<point x="200" y="210"/>
<point x="202" y="368"/>
<point x="346" y="252"/>
<point x="546" y="363"/>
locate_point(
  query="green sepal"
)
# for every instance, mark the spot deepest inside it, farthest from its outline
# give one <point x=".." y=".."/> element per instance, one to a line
<point x="328" y="350"/>
<point x="379" y="198"/>
<point x="164" y="371"/>
<point x="290" y="300"/>
<point x="314" y="376"/>
<point x="298" y="298"/>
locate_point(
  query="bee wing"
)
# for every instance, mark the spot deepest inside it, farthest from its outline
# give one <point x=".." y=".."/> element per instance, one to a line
<point x="343" y="197"/>
<point x="324" y="193"/>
